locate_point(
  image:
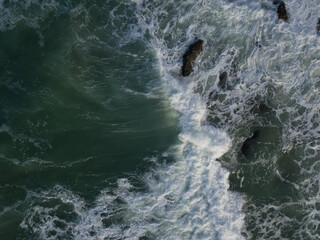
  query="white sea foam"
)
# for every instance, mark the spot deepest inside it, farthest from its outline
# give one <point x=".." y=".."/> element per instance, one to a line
<point x="186" y="200"/>
<point x="189" y="199"/>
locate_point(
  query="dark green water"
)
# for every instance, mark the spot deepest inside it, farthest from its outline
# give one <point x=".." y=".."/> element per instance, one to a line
<point x="101" y="138"/>
<point x="77" y="106"/>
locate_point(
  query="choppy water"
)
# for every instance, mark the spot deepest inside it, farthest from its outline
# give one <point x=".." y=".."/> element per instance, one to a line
<point x="101" y="137"/>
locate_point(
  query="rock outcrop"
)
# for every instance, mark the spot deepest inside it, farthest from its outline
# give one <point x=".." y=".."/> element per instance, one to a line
<point x="282" y="11"/>
<point x="246" y="146"/>
<point x="223" y="80"/>
<point x="258" y="44"/>
<point x="190" y="56"/>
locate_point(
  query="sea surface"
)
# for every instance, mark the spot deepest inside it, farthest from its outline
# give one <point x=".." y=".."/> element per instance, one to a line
<point x="102" y="138"/>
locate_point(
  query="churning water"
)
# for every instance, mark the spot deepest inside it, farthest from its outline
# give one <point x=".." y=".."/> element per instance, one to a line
<point x="102" y="138"/>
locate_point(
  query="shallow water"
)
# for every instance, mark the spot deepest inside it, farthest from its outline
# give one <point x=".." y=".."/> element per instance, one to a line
<point x="101" y="137"/>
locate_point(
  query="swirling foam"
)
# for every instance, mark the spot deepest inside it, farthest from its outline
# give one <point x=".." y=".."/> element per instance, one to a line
<point x="188" y="199"/>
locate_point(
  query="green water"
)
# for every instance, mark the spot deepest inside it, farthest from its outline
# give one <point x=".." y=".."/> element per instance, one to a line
<point x="101" y="137"/>
<point x="74" y="109"/>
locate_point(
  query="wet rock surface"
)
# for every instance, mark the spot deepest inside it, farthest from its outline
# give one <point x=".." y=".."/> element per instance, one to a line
<point x="282" y="11"/>
<point x="190" y="56"/>
<point x="258" y="44"/>
<point x="223" y="80"/>
<point x="246" y="146"/>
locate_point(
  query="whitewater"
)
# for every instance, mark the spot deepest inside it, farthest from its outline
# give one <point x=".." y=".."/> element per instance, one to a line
<point x="202" y="186"/>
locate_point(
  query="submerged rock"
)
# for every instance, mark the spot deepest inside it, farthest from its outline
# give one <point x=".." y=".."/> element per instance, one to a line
<point x="258" y="44"/>
<point x="223" y="80"/>
<point x="190" y="55"/>
<point x="263" y="107"/>
<point x="318" y="25"/>
<point x="276" y="2"/>
<point x="246" y="146"/>
<point x="282" y="11"/>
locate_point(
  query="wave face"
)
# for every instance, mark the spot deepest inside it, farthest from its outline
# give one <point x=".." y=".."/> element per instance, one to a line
<point x="105" y="93"/>
<point x="110" y="72"/>
<point x="188" y="199"/>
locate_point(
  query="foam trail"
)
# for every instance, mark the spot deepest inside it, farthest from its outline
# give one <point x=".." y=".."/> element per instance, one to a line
<point x="191" y="198"/>
<point x="188" y="199"/>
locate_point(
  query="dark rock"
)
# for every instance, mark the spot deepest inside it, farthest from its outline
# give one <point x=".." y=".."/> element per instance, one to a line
<point x="190" y="55"/>
<point x="318" y="25"/>
<point x="223" y="80"/>
<point x="258" y="44"/>
<point x="255" y="135"/>
<point x="246" y="146"/>
<point x="263" y="107"/>
<point x="276" y="2"/>
<point x="282" y="11"/>
<point x="169" y="198"/>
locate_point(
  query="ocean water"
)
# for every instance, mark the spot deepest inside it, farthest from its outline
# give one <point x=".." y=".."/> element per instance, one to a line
<point x="102" y="138"/>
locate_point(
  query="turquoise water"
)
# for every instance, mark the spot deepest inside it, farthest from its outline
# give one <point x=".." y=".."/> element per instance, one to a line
<point x="102" y="138"/>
